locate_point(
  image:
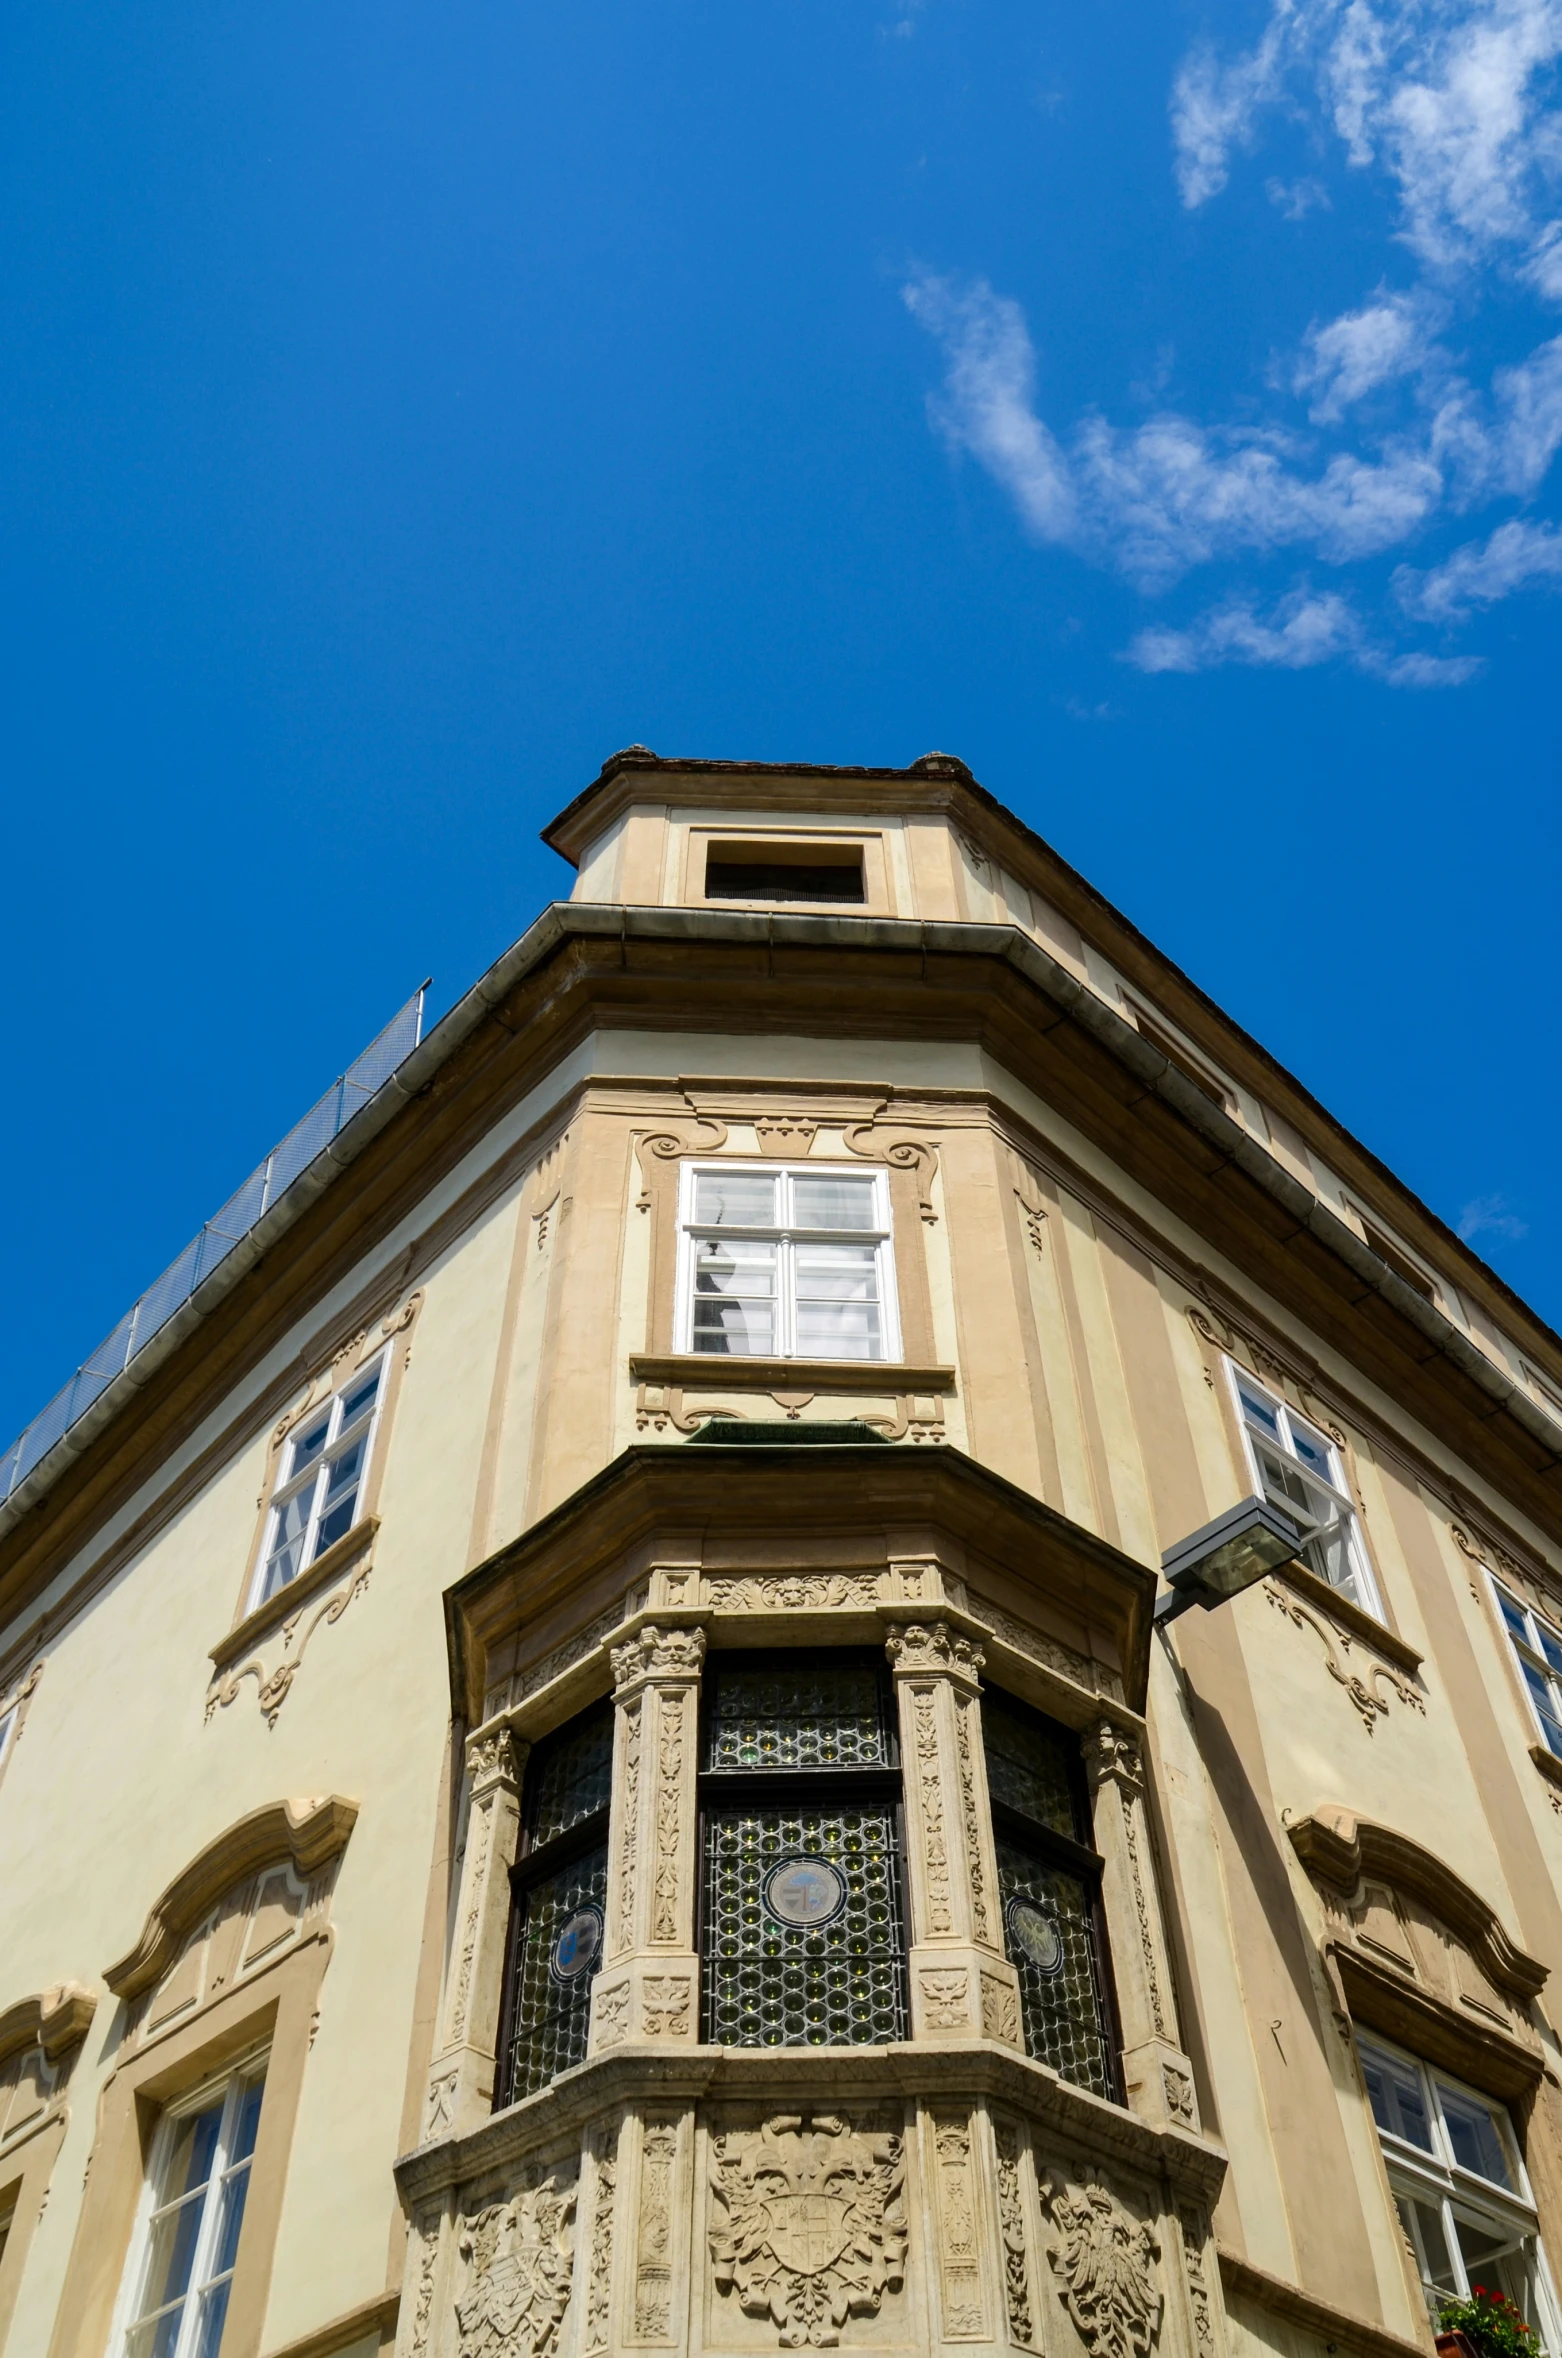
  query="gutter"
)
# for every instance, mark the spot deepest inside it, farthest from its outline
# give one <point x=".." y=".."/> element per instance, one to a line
<point x="565" y="921"/>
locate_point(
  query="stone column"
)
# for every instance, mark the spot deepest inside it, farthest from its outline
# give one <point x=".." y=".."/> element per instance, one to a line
<point x="648" y="1987"/>
<point x="962" y="1984"/>
<point x="461" y="2076"/>
<point x="1157" y="2075"/>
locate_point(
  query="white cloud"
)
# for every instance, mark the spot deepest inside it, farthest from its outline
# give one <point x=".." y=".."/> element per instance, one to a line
<point x="1353" y="355"/>
<point x="988" y="394"/>
<point x="1301" y="631"/>
<point x="1453" y="101"/>
<point x="1490" y="1214"/>
<point x="1482" y="572"/>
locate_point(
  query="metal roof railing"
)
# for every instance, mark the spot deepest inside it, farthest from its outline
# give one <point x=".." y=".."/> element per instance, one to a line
<point x="270" y="1179"/>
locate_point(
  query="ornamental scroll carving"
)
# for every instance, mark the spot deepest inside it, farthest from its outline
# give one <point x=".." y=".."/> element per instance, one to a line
<point x="810" y="2226"/>
<point x="918" y="1155"/>
<point x="1104" y="2261"/>
<point x="1365" y="1692"/>
<point x="274" y="1686"/>
<point x="1011" y="2226"/>
<point x="518" y="2257"/>
<point x="668" y="1146"/>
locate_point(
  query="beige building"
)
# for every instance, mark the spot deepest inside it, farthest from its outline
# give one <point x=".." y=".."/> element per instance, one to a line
<point x="585" y="1764"/>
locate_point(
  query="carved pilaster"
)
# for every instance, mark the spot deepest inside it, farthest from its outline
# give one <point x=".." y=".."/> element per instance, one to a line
<point x="962" y="1984"/>
<point x="461" y="2076"/>
<point x="1157" y="2076"/>
<point x="648" y="1988"/>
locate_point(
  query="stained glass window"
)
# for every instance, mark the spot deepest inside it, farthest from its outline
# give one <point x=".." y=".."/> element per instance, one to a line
<point x="558" y="1920"/>
<point x="1049" y="1887"/>
<point x="803" y="1922"/>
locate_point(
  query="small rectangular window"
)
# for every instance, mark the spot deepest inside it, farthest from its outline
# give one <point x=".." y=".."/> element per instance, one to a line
<point x="802" y="1932"/>
<point x="1049" y="1882"/>
<point x="1184" y="1060"/>
<point x="189" y="2242"/>
<point x="1537" y="1650"/>
<point x="784" y="872"/>
<point x="786" y="1263"/>
<point x="1397" y="1258"/>
<point x="558" y="1917"/>
<point x="319" y="1492"/>
<point x="1300" y="1471"/>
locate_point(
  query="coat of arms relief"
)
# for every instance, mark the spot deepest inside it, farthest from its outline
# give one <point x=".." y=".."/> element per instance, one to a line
<point x="518" y="2257"/>
<point x="809" y="2227"/>
<point x="1103" y="2258"/>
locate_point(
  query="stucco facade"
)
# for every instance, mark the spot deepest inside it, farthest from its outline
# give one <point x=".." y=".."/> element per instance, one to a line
<point x="251" y="1833"/>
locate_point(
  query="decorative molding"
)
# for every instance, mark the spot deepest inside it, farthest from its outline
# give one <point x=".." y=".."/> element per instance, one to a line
<point x="1013" y="2237"/>
<point x="930" y="1796"/>
<point x="654" y="1653"/>
<point x="810" y="2226"/>
<point x="55" y="2020"/>
<point x="918" y="1155"/>
<point x="427" y="2230"/>
<point x="1178" y="2086"/>
<point x="494" y="1757"/>
<point x="785" y="1137"/>
<point x="795" y="1592"/>
<point x="669" y="1811"/>
<point x="1114" y="1753"/>
<point x="1034" y="1217"/>
<point x="478" y="1841"/>
<point x="628" y="1818"/>
<point x="1340" y="1848"/>
<point x="1000" y="2010"/>
<point x="1199" y="2298"/>
<point x="289" y="1602"/>
<point x="1369" y="1704"/>
<point x="273" y="1687"/>
<point x="1037" y="1646"/>
<point x="920" y="1649"/>
<point x="1104" y="2260"/>
<point x="654" y="2232"/>
<point x="971" y="1818"/>
<point x="670" y="1146"/>
<point x="959" y="2241"/>
<point x="518" y="2257"/>
<point x="548" y="1667"/>
<point x="667" y="2006"/>
<point x="1350" y="1621"/>
<point x="301" y="1834"/>
<point x="711" y="1372"/>
<point x="946" y="1997"/>
<point x="598" y="2328"/>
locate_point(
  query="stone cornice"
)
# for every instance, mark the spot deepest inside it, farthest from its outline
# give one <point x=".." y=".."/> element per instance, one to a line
<point x="1338" y="1847"/>
<point x="302" y="1834"/>
<point x="1318" y="2317"/>
<point x="55" y="2019"/>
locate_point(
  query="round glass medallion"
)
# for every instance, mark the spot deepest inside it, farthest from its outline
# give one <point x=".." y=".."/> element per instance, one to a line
<point x="577" y="1945"/>
<point x="804" y="1893"/>
<point x="1034" y="1931"/>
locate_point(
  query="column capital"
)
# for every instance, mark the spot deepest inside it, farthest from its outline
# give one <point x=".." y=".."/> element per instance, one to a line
<point x="916" y="1648"/>
<point x="495" y="1756"/>
<point x="654" y="1653"/>
<point x="1114" y="1755"/>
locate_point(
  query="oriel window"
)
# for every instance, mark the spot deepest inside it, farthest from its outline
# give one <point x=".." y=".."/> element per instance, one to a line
<point x="1049" y="1884"/>
<point x="786" y="1264"/>
<point x="558" y="1918"/>
<point x="803" y="1927"/>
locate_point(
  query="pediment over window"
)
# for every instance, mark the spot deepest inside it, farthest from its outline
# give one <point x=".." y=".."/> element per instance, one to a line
<point x="1415" y="1952"/>
<point x="36" y="2036"/>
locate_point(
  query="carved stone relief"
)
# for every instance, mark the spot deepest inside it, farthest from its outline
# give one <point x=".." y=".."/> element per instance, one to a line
<point x="809" y="2226"/>
<point x="658" y="1653"/>
<point x="959" y="2255"/>
<point x="930" y="1797"/>
<point x="933" y="1646"/>
<point x="628" y="1815"/>
<point x="945" y="1997"/>
<point x="654" y="2232"/>
<point x="517" y="2258"/>
<point x="273" y="1686"/>
<point x="918" y="1155"/>
<point x="1364" y="1692"/>
<point x="981" y="1926"/>
<point x="1012" y="2233"/>
<point x="1192" y="2227"/>
<point x="669" y="1808"/>
<point x="1103" y="2260"/>
<point x="597" y="2332"/>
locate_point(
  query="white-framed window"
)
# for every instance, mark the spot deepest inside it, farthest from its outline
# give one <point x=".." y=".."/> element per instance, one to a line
<point x="1537" y="1649"/>
<point x="1299" y="1471"/>
<point x="784" y="1263"/>
<point x="1458" y="2182"/>
<point x="7" y="1731"/>
<point x="319" y="1490"/>
<point x="187" y="2238"/>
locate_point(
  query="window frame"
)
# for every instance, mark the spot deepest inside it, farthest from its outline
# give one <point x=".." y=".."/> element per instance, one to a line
<point x="1368" y="1598"/>
<point x="537" y="1863"/>
<point x="286" y="1484"/>
<point x="233" y="2081"/>
<point x="785" y="1233"/>
<point x="1443" y="2183"/>
<point x="1530" y="1653"/>
<point x="720" y="1788"/>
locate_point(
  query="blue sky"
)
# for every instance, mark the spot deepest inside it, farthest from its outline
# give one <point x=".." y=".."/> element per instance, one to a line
<point x="401" y="407"/>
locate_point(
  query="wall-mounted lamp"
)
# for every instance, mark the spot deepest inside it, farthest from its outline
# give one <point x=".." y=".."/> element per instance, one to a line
<point x="1226" y="1557"/>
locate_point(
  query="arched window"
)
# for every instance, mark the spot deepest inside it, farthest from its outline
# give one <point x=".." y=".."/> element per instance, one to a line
<point x="1049" y="1881"/>
<point x="803" y="1931"/>
<point x="560" y="1898"/>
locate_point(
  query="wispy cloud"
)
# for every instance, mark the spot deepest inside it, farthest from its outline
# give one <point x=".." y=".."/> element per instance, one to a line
<point x="1491" y="1215"/>
<point x="1299" y="632"/>
<point x="1341" y="363"/>
<point x="1482" y="572"/>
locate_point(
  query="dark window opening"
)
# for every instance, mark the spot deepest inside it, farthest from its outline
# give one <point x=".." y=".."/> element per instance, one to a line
<point x="1399" y="1261"/>
<point x="1188" y="1065"/>
<point x="559" y="1908"/>
<point x="782" y="872"/>
<point x="1049" y="1884"/>
<point x="802" y="1931"/>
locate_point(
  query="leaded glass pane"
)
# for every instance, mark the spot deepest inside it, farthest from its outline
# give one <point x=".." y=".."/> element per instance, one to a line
<point x="1031" y="1767"/>
<point x="803" y="1939"/>
<point x="571" y="1776"/>
<point x="557" y="1955"/>
<point x="800" y="1715"/>
<point x="1050" y="1931"/>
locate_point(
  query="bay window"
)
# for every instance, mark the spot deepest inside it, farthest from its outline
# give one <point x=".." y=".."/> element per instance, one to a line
<point x="781" y="1263"/>
<point x="802" y="1933"/>
<point x="559" y="1887"/>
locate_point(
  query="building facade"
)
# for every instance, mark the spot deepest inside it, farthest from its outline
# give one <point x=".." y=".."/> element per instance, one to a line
<point x="585" y="1760"/>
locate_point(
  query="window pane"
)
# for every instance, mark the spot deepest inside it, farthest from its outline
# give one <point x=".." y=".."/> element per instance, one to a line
<point x="735" y="1199"/>
<point x="1550" y="1643"/>
<point x="1423" y="2226"/>
<point x="833" y="1202"/>
<point x="1474" y="2136"/>
<point x="558" y="1953"/>
<point x="156" y="2337"/>
<point x="1517" y="1625"/>
<point x="570" y="1776"/>
<point x="231" y="2219"/>
<point x="214" y="2316"/>
<point x="1050" y="1933"/>
<point x="1030" y="1768"/>
<point x="734" y="1297"/>
<point x="248" y="2121"/>
<point x="339" y="1507"/>
<point x="1312" y="1449"/>
<point x="307" y="1448"/>
<point x="1543" y="1696"/>
<point x="824" y="1715"/>
<point x="1394" y="2089"/>
<point x="171" y="2252"/>
<point x="804" y="1944"/>
<point x="1258" y="1412"/>
<point x="287" y="1541"/>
